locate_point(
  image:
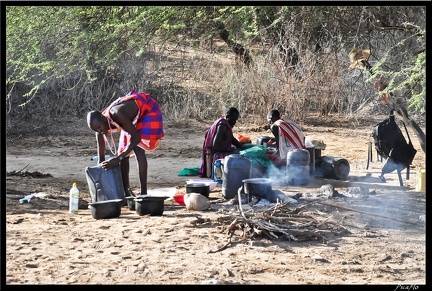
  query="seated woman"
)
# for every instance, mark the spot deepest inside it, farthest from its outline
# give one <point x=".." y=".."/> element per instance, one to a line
<point x="219" y="141"/>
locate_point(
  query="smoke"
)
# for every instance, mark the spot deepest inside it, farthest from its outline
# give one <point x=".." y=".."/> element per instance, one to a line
<point x="392" y="210"/>
<point x="292" y="175"/>
<point x="278" y="175"/>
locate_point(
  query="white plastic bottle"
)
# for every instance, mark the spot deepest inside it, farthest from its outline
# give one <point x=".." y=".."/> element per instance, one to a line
<point x="73" y="199"/>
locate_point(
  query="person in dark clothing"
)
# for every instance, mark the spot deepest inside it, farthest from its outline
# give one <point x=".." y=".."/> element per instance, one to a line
<point x="219" y="141"/>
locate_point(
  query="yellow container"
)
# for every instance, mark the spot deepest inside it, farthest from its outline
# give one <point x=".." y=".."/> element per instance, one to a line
<point x="421" y="180"/>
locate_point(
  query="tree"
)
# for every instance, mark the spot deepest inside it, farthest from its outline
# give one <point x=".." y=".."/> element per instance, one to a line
<point x="76" y="51"/>
<point x="409" y="81"/>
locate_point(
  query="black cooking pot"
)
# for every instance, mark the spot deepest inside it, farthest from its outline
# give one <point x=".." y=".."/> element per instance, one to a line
<point x="150" y="205"/>
<point x="259" y="187"/>
<point x="106" y="209"/>
<point x="201" y="188"/>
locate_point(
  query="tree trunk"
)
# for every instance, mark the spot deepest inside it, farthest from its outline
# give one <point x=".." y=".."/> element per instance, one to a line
<point x="395" y="103"/>
<point x="403" y="113"/>
<point x="237" y="48"/>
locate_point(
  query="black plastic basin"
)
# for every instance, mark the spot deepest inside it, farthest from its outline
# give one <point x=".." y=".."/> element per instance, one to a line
<point x="150" y="205"/>
<point x="106" y="209"/>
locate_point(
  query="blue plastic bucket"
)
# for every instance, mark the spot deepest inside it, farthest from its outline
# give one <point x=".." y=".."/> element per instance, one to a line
<point x="236" y="168"/>
<point x="298" y="167"/>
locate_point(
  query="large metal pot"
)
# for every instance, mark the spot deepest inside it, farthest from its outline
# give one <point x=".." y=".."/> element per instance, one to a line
<point x="258" y="187"/>
<point x="201" y="188"/>
<point x="332" y="168"/>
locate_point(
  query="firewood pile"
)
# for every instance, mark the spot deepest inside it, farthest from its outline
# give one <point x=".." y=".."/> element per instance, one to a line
<point x="280" y="221"/>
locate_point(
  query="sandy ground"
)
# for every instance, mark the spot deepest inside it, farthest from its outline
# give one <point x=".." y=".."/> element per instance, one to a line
<point x="377" y="236"/>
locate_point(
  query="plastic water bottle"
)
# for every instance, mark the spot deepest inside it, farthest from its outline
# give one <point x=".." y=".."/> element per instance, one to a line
<point x="26" y="199"/>
<point x="73" y="199"/>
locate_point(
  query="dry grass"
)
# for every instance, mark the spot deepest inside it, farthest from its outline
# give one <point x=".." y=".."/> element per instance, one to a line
<point x="198" y="84"/>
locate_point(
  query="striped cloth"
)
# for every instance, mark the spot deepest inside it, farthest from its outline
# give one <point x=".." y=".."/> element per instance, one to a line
<point x="148" y="121"/>
<point x="290" y="136"/>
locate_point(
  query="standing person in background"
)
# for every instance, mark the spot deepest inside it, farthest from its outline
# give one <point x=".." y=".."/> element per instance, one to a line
<point x="287" y="136"/>
<point x="139" y="119"/>
<point x="219" y="140"/>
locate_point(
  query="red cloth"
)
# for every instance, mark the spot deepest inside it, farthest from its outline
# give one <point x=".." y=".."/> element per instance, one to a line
<point x="277" y="160"/>
<point x="148" y="122"/>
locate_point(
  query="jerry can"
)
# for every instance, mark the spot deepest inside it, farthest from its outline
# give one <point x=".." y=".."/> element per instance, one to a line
<point x="104" y="184"/>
